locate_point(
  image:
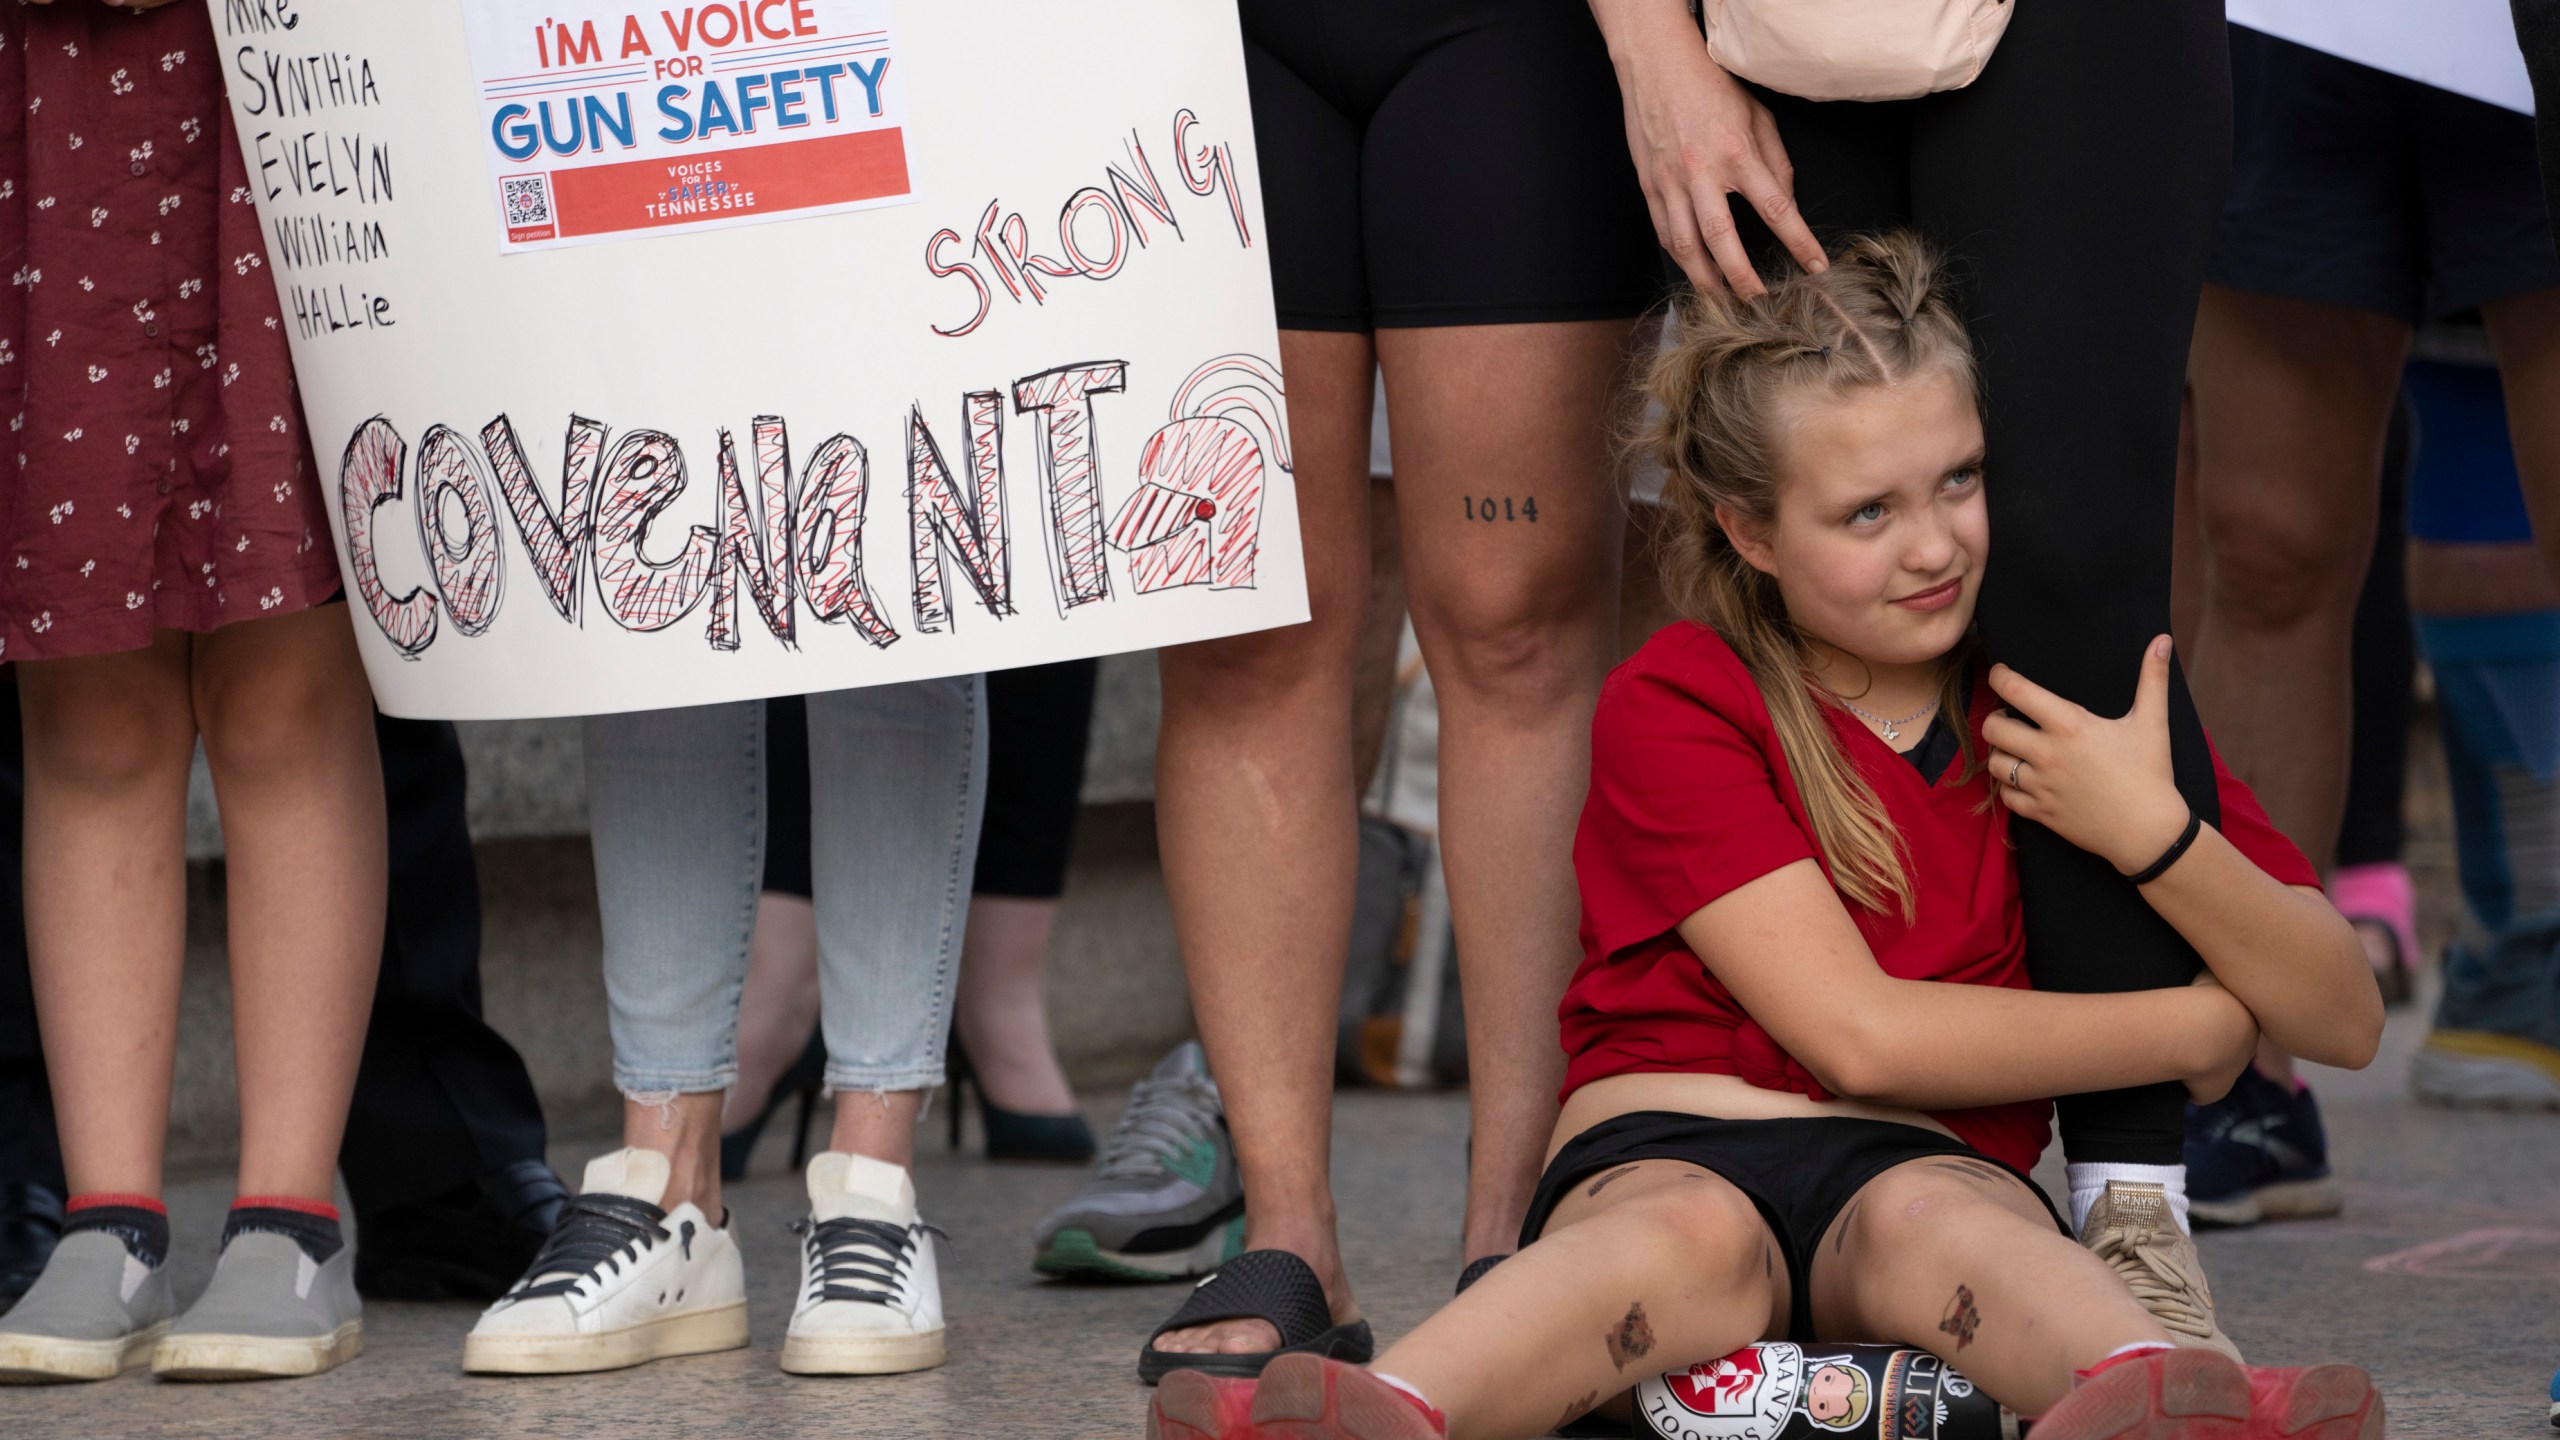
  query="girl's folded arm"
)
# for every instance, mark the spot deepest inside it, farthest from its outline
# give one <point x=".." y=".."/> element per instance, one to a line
<point x="2106" y="786"/>
<point x="1786" y="948"/>
<point x="2282" y="950"/>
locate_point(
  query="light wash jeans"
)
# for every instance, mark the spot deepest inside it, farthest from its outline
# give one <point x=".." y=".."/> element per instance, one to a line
<point x="677" y="804"/>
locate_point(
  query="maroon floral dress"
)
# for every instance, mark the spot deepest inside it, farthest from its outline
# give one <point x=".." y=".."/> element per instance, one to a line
<point x="161" y="476"/>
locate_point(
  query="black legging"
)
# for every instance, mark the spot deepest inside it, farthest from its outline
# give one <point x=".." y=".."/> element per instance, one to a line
<point x="1038" y="719"/>
<point x="2077" y="183"/>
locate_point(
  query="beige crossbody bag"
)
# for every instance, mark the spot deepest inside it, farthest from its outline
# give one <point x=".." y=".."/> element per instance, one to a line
<point x="1855" y="49"/>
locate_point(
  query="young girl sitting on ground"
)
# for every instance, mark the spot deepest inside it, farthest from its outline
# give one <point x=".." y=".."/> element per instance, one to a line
<point x="1807" y="1077"/>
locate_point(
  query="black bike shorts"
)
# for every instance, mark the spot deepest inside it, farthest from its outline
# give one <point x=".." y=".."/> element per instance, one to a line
<point x="1444" y="162"/>
<point x="1799" y="1173"/>
<point x="2354" y="187"/>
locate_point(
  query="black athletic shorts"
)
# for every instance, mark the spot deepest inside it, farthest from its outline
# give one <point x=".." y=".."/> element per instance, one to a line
<point x="1799" y="1173"/>
<point x="2352" y="186"/>
<point x="1444" y="162"/>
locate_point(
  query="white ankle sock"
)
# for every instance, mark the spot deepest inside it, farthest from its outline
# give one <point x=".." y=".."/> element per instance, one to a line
<point x="2089" y="1180"/>
<point x="1404" y="1386"/>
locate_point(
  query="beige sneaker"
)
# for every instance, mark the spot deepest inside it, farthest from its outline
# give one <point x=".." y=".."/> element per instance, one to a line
<point x="2132" y="1230"/>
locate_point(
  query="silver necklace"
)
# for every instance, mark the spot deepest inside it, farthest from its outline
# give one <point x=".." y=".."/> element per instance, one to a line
<point x="1891" y="728"/>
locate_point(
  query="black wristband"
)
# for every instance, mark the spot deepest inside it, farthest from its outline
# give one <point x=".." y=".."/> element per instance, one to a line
<point x="2169" y="857"/>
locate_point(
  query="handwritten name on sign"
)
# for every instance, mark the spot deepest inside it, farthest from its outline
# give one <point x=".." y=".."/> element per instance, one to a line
<point x="323" y="183"/>
<point x="606" y="119"/>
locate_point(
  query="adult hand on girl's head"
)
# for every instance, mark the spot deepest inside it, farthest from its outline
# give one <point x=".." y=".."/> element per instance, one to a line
<point x="2104" y="785"/>
<point x="1698" y="136"/>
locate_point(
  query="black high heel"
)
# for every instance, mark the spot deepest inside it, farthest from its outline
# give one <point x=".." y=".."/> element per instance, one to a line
<point x="805" y="1078"/>
<point x="1012" y="1135"/>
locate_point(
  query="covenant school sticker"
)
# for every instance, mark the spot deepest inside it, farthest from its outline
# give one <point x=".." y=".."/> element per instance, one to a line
<point x="606" y="119"/>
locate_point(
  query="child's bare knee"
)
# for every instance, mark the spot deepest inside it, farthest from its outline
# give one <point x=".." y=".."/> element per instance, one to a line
<point x="112" y="745"/>
<point x="1715" y="1228"/>
<point x="1911" y="1212"/>
<point x="252" y="733"/>
<point x="1894" y="1213"/>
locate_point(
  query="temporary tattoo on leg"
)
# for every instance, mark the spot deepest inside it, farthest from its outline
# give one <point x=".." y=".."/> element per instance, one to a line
<point x="1840" y="1227"/>
<point x="1605" y="1181"/>
<point x="1962" y="1319"/>
<point x="1578" y="1409"/>
<point x="1632" y="1340"/>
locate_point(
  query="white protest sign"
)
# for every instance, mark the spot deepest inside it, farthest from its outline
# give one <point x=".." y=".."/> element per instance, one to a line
<point x="869" y="340"/>
<point x="2466" y="46"/>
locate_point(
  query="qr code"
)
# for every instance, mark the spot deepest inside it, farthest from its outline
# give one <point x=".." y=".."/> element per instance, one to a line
<point x="528" y="199"/>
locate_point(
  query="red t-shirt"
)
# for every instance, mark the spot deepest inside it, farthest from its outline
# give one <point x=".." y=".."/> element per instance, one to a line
<point x="1691" y="798"/>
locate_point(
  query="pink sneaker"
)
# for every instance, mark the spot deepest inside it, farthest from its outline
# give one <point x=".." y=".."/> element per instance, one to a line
<point x="2381" y="903"/>
<point x="2176" y="1394"/>
<point x="2195" y="1394"/>
<point x="1298" y="1397"/>
<point x="2316" y="1402"/>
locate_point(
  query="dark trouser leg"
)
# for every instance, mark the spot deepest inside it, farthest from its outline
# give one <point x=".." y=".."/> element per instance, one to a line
<point x="441" y="1099"/>
<point x="1038" y="722"/>
<point x="2386" y="654"/>
<point x="29" y="1149"/>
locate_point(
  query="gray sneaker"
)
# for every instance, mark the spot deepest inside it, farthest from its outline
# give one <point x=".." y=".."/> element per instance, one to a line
<point x="1164" y="1201"/>
<point x="270" y="1312"/>
<point x="2496" y="1040"/>
<point x="93" y="1314"/>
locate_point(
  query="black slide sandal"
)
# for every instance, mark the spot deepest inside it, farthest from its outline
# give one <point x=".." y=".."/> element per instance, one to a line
<point x="1268" y="1285"/>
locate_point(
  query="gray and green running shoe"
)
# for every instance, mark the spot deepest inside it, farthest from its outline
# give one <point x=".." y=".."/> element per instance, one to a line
<point x="1164" y="1201"/>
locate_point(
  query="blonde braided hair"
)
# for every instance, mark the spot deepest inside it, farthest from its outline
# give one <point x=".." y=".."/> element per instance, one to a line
<point x="1885" y="310"/>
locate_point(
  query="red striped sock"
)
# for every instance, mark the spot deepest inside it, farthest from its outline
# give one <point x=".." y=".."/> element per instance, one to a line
<point x="140" y="1221"/>
<point x="287" y="1202"/>
<point x="307" y="1223"/>
<point x="107" y="1197"/>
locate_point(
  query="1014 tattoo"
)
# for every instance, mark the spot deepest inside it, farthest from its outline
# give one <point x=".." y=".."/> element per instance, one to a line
<point x="1490" y="508"/>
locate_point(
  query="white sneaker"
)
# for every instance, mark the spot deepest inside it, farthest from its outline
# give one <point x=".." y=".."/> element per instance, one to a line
<point x="870" y="1297"/>
<point x="620" y="1282"/>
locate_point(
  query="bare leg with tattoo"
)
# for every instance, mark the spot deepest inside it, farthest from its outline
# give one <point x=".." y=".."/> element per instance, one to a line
<point x="1256" y="807"/>
<point x="1665" y="1264"/>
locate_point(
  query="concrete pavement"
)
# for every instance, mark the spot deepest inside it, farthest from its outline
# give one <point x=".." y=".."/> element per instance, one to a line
<point x="2440" y="1278"/>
